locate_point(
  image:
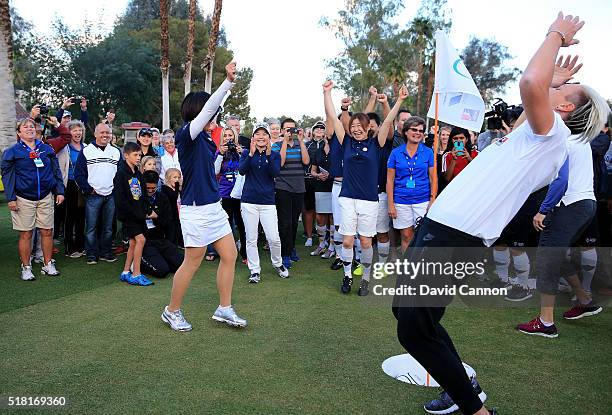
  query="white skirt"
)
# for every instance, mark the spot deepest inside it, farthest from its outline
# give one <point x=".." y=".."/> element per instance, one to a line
<point x="203" y="225"/>
<point x="323" y="202"/>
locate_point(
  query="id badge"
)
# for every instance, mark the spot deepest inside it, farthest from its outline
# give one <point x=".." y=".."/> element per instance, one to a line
<point x="38" y="162"/>
<point x="150" y="224"/>
<point x="411" y="183"/>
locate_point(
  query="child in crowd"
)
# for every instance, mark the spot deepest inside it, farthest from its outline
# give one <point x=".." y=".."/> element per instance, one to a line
<point x="129" y="200"/>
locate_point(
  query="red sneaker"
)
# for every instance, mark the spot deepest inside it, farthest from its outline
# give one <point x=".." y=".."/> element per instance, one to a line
<point x="537" y="328"/>
<point x="579" y="311"/>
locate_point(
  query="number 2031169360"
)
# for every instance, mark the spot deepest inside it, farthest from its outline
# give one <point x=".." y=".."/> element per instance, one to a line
<point x="17" y="401"/>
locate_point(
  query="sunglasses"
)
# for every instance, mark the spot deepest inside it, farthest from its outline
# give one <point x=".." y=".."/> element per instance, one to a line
<point x="416" y="130"/>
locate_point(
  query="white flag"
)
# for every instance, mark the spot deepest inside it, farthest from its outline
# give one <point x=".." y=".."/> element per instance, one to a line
<point x="460" y="103"/>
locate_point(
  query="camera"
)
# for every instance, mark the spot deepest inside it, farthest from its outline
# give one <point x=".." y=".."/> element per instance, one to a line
<point x="293" y="130"/>
<point x="77" y="99"/>
<point x="44" y="110"/>
<point x="231" y="146"/>
<point x="501" y="111"/>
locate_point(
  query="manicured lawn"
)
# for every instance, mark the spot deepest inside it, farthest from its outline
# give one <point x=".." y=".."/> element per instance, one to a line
<point x="307" y="350"/>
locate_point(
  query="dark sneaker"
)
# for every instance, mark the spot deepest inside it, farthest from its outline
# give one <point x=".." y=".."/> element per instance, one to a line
<point x="92" y="261"/>
<point x="497" y="283"/>
<point x="363" y="288"/>
<point x="537" y="328"/>
<point x="337" y="264"/>
<point x="445" y="405"/>
<point x="579" y="311"/>
<point x="294" y="256"/>
<point x="347" y="282"/>
<point x="518" y="293"/>
<point x="287" y="262"/>
<point x="282" y="271"/>
<point x="108" y="258"/>
<point x="254" y="278"/>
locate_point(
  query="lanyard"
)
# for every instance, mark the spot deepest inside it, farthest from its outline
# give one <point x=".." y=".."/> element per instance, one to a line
<point x="412" y="165"/>
<point x="33" y="153"/>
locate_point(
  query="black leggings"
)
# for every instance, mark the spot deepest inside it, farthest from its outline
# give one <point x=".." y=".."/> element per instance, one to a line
<point x="232" y="207"/>
<point x="74" y="224"/>
<point x="418" y="321"/>
<point x="289" y="207"/>
<point x="160" y="257"/>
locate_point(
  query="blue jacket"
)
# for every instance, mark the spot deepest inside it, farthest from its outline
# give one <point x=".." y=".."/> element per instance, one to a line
<point x="259" y="172"/>
<point x="22" y="178"/>
<point x="556" y="189"/>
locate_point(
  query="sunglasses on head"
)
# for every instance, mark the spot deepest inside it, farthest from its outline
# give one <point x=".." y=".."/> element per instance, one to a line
<point x="145" y="131"/>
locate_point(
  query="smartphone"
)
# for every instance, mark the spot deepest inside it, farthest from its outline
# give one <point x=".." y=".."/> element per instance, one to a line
<point x="459" y="147"/>
<point x="323" y="171"/>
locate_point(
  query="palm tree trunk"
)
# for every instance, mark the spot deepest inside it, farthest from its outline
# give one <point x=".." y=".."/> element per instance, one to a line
<point x="430" y="82"/>
<point x="7" y="89"/>
<point x="209" y="62"/>
<point x="190" y="40"/>
<point x="420" y="66"/>
<point x="165" y="63"/>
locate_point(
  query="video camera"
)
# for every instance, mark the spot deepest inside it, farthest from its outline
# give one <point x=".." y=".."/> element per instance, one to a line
<point x="501" y="111"/>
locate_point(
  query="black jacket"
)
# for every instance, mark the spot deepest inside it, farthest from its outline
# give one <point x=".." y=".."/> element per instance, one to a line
<point x="130" y="194"/>
<point x="164" y="224"/>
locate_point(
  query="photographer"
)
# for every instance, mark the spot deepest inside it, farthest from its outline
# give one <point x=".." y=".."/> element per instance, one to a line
<point x="234" y="122"/>
<point x="290" y="186"/>
<point x="160" y="255"/>
<point x="459" y="153"/>
<point x="171" y="189"/>
<point x="500" y="122"/>
<point x="31" y="175"/>
<point x="227" y="163"/>
<point x="66" y="116"/>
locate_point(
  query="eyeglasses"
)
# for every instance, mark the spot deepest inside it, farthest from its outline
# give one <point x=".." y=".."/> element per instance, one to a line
<point x="416" y="130"/>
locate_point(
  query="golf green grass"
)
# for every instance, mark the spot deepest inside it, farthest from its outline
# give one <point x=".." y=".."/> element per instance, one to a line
<point x="308" y="349"/>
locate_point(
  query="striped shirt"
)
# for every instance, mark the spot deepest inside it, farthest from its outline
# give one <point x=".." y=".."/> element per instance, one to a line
<point x="291" y="177"/>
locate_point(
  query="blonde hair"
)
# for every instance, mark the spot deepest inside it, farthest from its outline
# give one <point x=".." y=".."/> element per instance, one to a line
<point x="590" y="115"/>
<point x="170" y="172"/>
<point x="143" y="163"/>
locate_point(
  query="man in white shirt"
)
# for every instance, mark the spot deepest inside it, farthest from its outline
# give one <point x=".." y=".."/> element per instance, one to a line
<point x="476" y="206"/>
<point x="170" y="159"/>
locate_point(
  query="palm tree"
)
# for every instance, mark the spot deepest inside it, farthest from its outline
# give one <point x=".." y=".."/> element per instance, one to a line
<point x="422" y="37"/>
<point x="7" y="90"/>
<point x="193" y="4"/>
<point x="209" y="61"/>
<point x="165" y="63"/>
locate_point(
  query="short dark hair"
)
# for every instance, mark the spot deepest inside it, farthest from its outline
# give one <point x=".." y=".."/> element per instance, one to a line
<point x="374" y="116"/>
<point x="192" y="104"/>
<point x="286" y="120"/>
<point x="363" y="119"/>
<point x="131" y="147"/>
<point x="411" y="122"/>
<point x="400" y="112"/>
<point x="150" y="176"/>
<point x="457" y="131"/>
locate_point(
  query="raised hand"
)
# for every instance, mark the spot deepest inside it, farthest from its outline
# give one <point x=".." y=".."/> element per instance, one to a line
<point x="253" y="147"/>
<point x="566" y="27"/>
<point x="328" y="86"/>
<point x="230" y="70"/>
<point x="403" y="92"/>
<point x="346" y="102"/>
<point x="67" y="102"/>
<point x="373" y="91"/>
<point x="382" y="98"/>
<point x="565" y="71"/>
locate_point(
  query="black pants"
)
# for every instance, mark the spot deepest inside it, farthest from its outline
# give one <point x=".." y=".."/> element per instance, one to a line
<point x="418" y="325"/>
<point x="59" y="216"/>
<point x="288" y="207"/>
<point x="160" y="257"/>
<point x="564" y="225"/>
<point x="232" y="208"/>
<point x="74" y="224"/>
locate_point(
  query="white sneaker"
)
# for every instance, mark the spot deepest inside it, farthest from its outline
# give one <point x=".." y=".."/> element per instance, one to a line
<point x="282" y="271"/>
<point x="26" y="273"/>
<point x="175" y="320"/>
<point x="229" y="316"/>
<point x="308" y="242"/>
<point x="50" y="269"/>
<point x="328" y="254"/>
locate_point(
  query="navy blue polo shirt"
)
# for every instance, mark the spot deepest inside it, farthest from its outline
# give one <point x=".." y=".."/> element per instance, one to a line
<point x="335" y="157"/>
<point x="197" y="156"/>
<point x="406" y="167"/>
<point x="360" y="164"/>
<point x="259" y="172"/>
<point x="385" y="151"/>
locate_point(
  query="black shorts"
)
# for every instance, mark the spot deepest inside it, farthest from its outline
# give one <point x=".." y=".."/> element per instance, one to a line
<point x="309" y="196"/>
<point x="590" y="236"/>
<point x="520" y="233"/>
<point x="132" y="229"/>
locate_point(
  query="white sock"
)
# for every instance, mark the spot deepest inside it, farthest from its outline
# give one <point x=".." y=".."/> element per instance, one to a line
<point x="588" y="260"/>
<point x="321" y="235"/>
<point x="546" y="323"/>
<point x="347" y="260"/>
<point x="521" y="266"/>
<point x="502" y="262"/>
<point x="531" y="283"/>
<point x="338" y="243"/>
<point x="224" y="308"/>
<point x="366" y="260"/>
<point x="383" y="251"/>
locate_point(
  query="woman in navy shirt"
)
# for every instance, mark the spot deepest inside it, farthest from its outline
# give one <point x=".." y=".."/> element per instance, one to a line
<point x="203" y="219"/>
<point x="359" y="195"/>
<point x="410" y="177"/>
